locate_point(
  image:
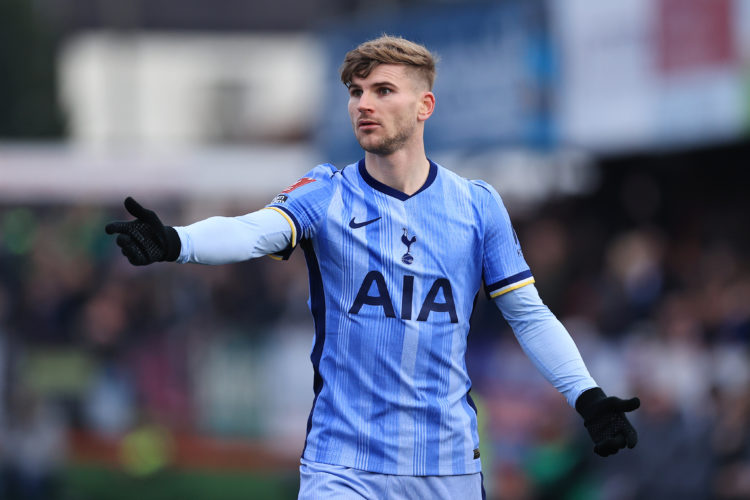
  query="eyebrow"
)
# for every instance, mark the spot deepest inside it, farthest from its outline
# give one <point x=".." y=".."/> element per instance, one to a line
<point x="384" y="83"/>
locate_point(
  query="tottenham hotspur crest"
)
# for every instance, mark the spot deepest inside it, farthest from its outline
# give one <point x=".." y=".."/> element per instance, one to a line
<point x="407" y="258"/>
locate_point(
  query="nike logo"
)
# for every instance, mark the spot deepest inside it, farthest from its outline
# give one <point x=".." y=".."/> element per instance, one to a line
<point x="355" y="225"/>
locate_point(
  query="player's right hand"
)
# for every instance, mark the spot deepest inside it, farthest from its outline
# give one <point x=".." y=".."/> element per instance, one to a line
<point x="144" y="240"/>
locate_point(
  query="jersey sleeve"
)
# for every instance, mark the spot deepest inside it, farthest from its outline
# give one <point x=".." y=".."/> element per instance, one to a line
<point x="304" y="204"/>
<point x="546" y="342"/>
<point x="503" y="265"/>
<point x="222" y="240"/>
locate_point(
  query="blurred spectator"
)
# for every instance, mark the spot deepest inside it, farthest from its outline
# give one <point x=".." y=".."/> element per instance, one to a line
<point x="731" y="445"/>
<point x="672" y="459"/>
<point x="33" y="447"/>
<point x="110" y="406"/>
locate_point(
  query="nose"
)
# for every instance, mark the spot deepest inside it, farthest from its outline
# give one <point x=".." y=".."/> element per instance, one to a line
<point x="364" y="103"/>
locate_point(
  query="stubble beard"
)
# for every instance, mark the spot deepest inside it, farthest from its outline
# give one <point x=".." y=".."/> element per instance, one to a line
<point x="389" y="145"/>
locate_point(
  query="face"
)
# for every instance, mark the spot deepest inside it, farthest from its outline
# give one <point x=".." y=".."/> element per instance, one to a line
<point x="388" y="108"/>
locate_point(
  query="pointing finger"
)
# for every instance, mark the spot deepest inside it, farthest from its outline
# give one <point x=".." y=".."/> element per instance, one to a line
<point x="115" y="227"/>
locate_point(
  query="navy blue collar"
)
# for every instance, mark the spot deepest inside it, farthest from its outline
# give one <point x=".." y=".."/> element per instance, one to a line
<point x="376" y="184"/>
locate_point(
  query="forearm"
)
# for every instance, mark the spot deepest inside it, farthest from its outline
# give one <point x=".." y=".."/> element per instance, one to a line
<point x="546" y="342"/>
<point x="222" y="240"/>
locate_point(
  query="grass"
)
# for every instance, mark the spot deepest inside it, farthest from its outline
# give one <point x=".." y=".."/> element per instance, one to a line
<point x="95" y="482"/>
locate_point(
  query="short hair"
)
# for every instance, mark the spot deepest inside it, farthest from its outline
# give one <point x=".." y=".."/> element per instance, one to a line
<point x="388" y="49"/>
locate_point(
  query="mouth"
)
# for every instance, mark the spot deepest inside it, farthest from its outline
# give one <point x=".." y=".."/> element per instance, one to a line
<point x="367" y="124"/>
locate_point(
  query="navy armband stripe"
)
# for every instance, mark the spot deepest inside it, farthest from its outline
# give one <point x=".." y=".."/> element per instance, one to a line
<point x="296" y="232"/>
<point x="511" y="283"/>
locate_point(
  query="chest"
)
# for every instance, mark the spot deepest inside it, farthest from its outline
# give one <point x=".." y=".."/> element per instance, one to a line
<point x="425" y="235"/>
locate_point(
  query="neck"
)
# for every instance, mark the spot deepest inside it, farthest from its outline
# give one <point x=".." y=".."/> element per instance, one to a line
<point x="402" y="170"/>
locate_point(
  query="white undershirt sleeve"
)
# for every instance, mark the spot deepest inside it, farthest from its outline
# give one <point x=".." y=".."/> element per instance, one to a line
<point x="546" y="341"/>
<point x="222" y="240"/>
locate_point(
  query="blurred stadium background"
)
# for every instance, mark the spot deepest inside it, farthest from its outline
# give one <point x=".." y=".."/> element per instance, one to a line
<point x="617" y="133"/>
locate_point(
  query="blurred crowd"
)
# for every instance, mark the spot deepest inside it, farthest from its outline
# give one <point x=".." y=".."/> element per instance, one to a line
<point x="651" y="277"/>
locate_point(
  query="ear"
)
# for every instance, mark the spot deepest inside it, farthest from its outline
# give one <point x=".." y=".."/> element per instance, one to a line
<point x="426" y="106"/>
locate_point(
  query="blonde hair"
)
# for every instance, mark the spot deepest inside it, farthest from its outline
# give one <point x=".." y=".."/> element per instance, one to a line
<point x="388" y="49"/>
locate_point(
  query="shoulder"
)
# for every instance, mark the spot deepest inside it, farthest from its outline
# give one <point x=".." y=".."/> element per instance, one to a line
<point x="485" y="192"/>
<point x="314" y="179"/>
<point x="324" y="171"/>
<point x="482" y="186"/>
<point x="480" y="191"/>
<point x="450" y="178"/>
<point x="475" y="186"/>
<point x="477" y="192"/>
<point x="331" y="174"/>
<point x="312" y="185"/>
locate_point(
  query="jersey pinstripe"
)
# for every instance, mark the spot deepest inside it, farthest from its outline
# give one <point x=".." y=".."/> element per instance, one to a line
<point x="393" y="280"/>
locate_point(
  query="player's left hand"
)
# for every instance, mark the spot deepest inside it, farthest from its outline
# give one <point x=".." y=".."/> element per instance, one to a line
<point x="604" y="418"/>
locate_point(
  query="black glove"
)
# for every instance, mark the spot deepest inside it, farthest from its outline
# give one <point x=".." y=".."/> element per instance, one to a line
<point x="604" y="418"/>
<point x="146" y="239"/>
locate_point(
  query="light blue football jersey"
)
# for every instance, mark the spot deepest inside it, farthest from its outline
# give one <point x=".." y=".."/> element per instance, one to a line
<point x="393" y="279"/>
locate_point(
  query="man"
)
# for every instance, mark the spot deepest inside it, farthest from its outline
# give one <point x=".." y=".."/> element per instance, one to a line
<point x="397" y="247"/>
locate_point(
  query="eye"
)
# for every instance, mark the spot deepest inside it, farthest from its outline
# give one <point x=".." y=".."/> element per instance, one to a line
<point x="355" y="92"/>
<point x="384" y="91"/>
